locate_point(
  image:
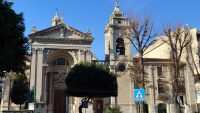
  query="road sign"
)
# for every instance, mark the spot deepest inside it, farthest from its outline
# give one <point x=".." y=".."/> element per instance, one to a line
<point x="85" y="104"/>
<point x="139" y="95"/>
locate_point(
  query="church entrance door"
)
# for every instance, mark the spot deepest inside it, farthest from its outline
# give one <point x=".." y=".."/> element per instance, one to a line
<point x="99" y="106"/>
<point x="59" y="101"/>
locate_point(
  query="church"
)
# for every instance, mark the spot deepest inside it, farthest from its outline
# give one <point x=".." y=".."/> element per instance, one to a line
<point x="55" y="50"/>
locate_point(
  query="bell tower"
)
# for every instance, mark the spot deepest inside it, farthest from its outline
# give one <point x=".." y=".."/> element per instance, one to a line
<point x="118" y="57"/>
<point x="56" y="20"/>
<point x="116" y="44"/>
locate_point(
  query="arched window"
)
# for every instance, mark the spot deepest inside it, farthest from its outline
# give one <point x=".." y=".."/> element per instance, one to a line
<point x="60" y="61"/>
<point x="120" y="49"/>
<point x="162" y="108"/>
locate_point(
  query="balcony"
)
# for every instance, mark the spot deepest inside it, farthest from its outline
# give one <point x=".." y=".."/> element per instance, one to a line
<point x="162" y="96"/>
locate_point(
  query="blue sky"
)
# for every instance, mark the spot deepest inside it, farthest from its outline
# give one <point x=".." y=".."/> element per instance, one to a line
<point x="93" y="14"/>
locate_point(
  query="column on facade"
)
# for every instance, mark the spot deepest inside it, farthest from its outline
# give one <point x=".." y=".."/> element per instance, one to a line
<point x="172" y="108"/>
<point x="190" y="80"/>
<point x="84" y="55"/>
<point x="79" y="55"/>
<point x="190" y="89"/>
<point x="132" y="105"/>
<point x="152" y="91"/>
<point x="44" y="81"/>
<point x="39" y="75"/>
<point x="33" y="75"/>
<point x="50" y="105"/>
<point x="112" y="70"/>
<point x="128" y="47"/>
<point x="113" y="101"/>
<point x="88" y="55"/>
<point x="75" y="104"/>
<point x="33" y="67"/>
<point x="112" y="44"/>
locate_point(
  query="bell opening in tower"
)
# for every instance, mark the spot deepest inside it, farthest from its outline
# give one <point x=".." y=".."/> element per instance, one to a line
<point x="120" y="49"/>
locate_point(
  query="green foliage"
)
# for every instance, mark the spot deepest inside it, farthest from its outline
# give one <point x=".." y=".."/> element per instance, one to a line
<point x="113" y="110"/>
<point x="19" y="89"/>
<point x="13" y="44"/>
<point x="90" y="80"/>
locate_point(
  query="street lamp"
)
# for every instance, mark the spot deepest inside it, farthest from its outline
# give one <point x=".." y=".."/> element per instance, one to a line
<point x="10" y="77"/>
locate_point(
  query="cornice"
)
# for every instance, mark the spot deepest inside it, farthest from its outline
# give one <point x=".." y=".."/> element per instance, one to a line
<point x="63" y="40"/>
<point x="54" y="28"/>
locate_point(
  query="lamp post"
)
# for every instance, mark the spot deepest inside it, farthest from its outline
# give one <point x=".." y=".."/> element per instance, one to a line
<point x="9" y="75"/>
<point x="10" y="84"/>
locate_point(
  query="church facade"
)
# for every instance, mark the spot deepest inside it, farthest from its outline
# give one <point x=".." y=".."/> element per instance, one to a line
<point x="55" y="51"/>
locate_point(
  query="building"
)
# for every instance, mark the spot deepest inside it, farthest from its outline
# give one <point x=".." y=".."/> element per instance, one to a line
<point x="157" y="67"/>
<point x="55" y="51"/>
<point x="158" y="71"/>
<point x="190" y="57"/>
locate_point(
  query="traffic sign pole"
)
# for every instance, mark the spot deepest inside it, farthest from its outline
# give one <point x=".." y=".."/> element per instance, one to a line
<point x="139" y="97"/>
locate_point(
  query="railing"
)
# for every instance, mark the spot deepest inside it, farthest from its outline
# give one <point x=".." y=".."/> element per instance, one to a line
<point x="162" y="96"/>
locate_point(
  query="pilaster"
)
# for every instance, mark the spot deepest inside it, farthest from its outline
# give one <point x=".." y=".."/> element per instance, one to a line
<point x="113" y="101"/>
<point x="33" y="67"/>
<point x="44" y="87"/>
<point x="152" y="91"/>
<point x="39" y="76"/>
<point x="88" y="55"/>
<point x="190" y="89"/>
<point x="79" y="56"/>
<point x="112" y="44"/>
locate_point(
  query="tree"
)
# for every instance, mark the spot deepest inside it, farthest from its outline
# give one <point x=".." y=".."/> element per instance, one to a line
<point x="13" y="44"/>
<point x="178" y="40"/>
<point x="90" y="80"/>
<point x="141" y="36"/>
<point x="19" y="90"/>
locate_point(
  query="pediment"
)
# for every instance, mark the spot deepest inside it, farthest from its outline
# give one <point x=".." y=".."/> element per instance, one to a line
<point x="61" y="31"/>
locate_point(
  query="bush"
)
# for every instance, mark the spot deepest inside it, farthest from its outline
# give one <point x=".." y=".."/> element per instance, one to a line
<point x="113" y="110"/>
